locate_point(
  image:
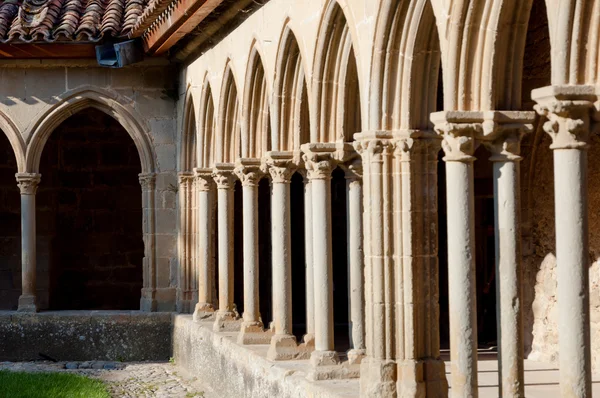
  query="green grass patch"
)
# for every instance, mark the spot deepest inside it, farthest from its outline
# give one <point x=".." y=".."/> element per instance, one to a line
<point x="49" y="385"/>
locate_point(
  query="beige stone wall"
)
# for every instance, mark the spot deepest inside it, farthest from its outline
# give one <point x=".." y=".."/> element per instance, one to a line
<point x="30" y="90"/>
<point x="540" y="281"/>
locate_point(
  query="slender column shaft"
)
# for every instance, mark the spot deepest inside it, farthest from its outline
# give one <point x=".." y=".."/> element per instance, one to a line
<point x="461" y="278"/>
<point x="508" y="278"/>
<point x="185" y="246"/>
<point x="28" y="183"/>
<point x="570" y="184"/>
<point x="282" y="264"/>
<point x="148" y="301"/>
<point x="225" y="219"/>
<point x="205" y="262"/>
<point x="355" y="263"/>
<point x="569" y="110"/>
<point x="308" y="248"/>
<point x="250" y="199"/>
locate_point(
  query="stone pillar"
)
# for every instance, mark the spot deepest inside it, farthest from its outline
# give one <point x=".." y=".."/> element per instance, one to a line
<point x="28" y="183"/>
<point x="354" y="206"/>
<point x="308" y="340"/>
<point x="148" y="301"/>
<point x="459" y="144"/>
<point x="283" y="343"/>
<point x="503" y="139"/>
<point x="569" y="110"/>
<point x="320" y="164"/>
<point x="185" y="241"/>
<point x="204" y="307"/>
<point x="226" y="317"/>
<point x="252" y="331"/>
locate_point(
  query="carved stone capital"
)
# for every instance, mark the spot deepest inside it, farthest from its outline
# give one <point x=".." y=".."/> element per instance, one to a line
<point x="281" y="166"/>
<point x="186" y="179"/>
<point x="503" y="132"/>
<point x="147" y="181"/>
<point x="353" y="169"/>
<point x="569" y="111"/>
<point x="224" y="176"/>
<point x="319" y="160"/>
<point x="28" y="182"/>
<point x="249" y="171"/>
<point x="204" y="179"/>
<point x="458" y="131"/>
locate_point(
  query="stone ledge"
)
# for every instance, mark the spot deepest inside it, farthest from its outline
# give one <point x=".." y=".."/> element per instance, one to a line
<point x="233" y="370"/>
<point x="85" y="335"/>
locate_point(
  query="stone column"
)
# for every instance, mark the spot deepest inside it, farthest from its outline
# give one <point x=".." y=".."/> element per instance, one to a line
<point x="503" y="139"/>
<point x="226" y="317"/>
<point x="354" y="206"/>
<point x="569" y="110"/>
<point x="148" y="301"/>
<point x="320" y="164"/>
<point x="204" y="307"/>
<point x="283" y="343"/>
<point x="308" y="340"/>
<point x="252" y="331"/>
<point x="459" y="145"/>
<point x="28" y="183"/>
<point x="185" y="241"/>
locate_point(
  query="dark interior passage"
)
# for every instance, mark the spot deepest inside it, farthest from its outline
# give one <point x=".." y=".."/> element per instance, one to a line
<point x="89" y="215"/>
<point x="340" y="260"/>
<point x="238" y="248"/>
<point x="265" y="279"/>
<point x="10" y="228"/>
<point x="298" y="256"/>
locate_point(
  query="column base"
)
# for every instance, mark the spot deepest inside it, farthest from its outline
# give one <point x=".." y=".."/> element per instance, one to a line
<point x="307" y="346"/>
<point x="253" y="333"/>
<point x="203" y="312"/>
<point x="377" y="378"/>
<point x="326" y="366"/>
<point x="226" y="322"/>
<point x="355" y="357"/>
<point x="283" y="347"/>
<point x="148" y="301"/>
<point x="27" y="303"/>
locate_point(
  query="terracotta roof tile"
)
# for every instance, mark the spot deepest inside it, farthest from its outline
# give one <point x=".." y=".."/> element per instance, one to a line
<point x="68" y="20"/>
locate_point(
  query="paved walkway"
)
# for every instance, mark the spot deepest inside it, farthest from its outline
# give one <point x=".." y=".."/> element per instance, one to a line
<point x="137" y="379"/>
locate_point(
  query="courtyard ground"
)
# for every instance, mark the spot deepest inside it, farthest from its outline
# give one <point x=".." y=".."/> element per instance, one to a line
<point x="135" y="379"/>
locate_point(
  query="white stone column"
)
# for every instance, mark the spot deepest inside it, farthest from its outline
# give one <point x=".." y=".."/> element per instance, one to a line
<point x="204" y="307"/>
<point x="148" y="301"/>
<point x="503" y="139"/>
<point x="185" y="241"/>
<point x="308" y="340"/>
<point x="283" y="343"/>
<point x="459" y="146"/>
<point x="28" y="183"/>
<point x="569" y="110"/>
<point x="252" y="331"/>
<point x="226" y="318"/>
<point x="320" y="164"/>
<point x="354" y="206"/>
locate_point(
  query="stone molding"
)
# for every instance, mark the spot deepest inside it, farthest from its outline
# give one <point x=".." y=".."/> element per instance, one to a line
<point x="319" y="160"/>
<point x="28" y="182"/>
<point x="249" y="171"/>
<point x="570" y="111"/>
<point x="186" y="179"/>
<point x="224" y="176"/>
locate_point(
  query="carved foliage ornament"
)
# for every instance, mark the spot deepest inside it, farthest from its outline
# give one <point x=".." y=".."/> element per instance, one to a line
<point x="28" y="183"/>
<point x="249" y="175"/>
<point x="459" y="143"/>
<point x="319" y="165"/>
<point x="568" y="122"/>
<point x="147" y="181"/>
<point x="224" y="179"/>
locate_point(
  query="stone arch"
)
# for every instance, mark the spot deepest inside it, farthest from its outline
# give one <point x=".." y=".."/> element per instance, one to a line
<point x="15" y="138"/>
<point x="335" y="68"/>
<point x="206" y="132"/>
<point x="72" y="102"/>
<point x="188" y="150"/>
<point x="483" y="54"/>
<point x="406" y="60"/>
<point x="290" y="101"/>
<point x="228" y="130"/>
<point x="255" y="139"/>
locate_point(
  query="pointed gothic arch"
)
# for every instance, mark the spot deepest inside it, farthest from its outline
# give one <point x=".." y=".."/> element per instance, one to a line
<point x="228" y="130"/>
<point x="206" y="134"/>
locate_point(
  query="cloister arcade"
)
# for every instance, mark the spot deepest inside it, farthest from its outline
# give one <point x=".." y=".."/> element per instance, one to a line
<point x="378" y="188"/>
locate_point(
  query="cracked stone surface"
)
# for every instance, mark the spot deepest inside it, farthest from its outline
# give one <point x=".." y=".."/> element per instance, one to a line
<point x="135" y="379"/>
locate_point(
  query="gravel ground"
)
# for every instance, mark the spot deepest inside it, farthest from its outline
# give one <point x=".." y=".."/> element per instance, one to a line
<point x="136" y="379"/>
